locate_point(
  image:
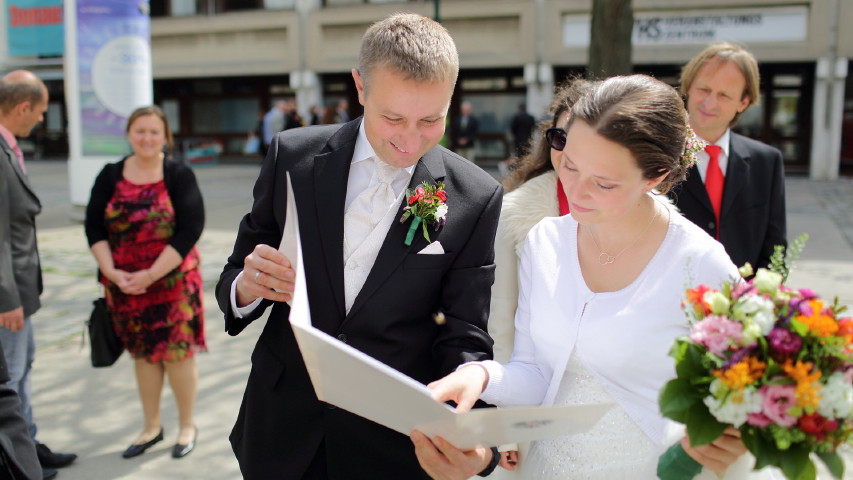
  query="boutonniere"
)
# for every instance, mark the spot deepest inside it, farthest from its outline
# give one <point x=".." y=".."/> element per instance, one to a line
<point x="426" y="207"/>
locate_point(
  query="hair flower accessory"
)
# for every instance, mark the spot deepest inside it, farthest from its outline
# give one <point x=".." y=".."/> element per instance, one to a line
<point x="426" y="207"/>
<point x="692" y="144"/>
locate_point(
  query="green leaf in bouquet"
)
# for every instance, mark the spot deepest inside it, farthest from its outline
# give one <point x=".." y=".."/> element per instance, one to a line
<point x="834" y="463"/>
<point x="796" y="464"/>
<point x="702" y="427"/>
<point x="799" y="327"/>
<point x="690" y="365"/>
<point x="764" y="450"/>
<point x="676" y="398"/>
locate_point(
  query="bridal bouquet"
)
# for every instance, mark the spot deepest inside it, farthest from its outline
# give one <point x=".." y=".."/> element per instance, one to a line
<point x="775" y="363"/>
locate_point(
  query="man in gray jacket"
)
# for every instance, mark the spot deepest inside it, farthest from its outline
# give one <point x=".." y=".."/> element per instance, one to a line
<point x="23" y="101"/>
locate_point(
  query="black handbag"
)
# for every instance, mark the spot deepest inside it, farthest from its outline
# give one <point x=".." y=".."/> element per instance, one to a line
<point x="106" y="346"/>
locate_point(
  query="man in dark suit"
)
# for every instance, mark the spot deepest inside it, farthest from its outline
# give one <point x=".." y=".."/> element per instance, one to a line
<point x="521" y="126"/>
<point x="23" y="101"/>
<point x="365" y="286"/>
<point x="736" y="190"/>
<point x="463" y="131"/>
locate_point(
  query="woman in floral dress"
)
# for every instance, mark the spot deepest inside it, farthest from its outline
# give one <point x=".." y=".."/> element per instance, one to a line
<point x="144" y="217"/>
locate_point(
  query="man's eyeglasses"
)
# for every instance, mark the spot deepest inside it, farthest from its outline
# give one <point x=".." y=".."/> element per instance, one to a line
<point x="556" y="138"/>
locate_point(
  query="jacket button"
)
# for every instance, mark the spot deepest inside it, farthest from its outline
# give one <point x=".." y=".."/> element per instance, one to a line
<point x="711" y="226"/>
<point x="342" y="337"/>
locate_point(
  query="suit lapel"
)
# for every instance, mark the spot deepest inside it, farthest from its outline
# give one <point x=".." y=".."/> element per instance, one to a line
<point x="737" y="173"/>
<point x="330" y="173"/>
<point x="430" y="169"/>
<point x="696" y="187"/>
<point x="16" y="167"/>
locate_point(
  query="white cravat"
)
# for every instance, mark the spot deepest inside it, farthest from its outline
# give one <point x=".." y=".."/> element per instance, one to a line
<point x="369" y="207"/>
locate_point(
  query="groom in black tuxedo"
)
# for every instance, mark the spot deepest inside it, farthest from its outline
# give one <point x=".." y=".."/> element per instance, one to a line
<point x="365" y="286"/>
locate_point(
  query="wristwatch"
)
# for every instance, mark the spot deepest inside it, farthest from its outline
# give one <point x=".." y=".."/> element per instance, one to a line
<point x="493" y="464"/>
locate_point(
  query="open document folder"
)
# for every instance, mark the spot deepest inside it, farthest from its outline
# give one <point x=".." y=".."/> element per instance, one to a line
<point x="352" y="380"/>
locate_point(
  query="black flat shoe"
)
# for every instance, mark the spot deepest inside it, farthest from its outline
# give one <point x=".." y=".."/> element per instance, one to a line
<point x="139" y="449"/>
<point x="180" y="451"/>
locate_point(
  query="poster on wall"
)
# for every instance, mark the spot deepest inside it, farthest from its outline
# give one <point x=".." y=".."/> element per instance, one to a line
<point x="34" y="27"/>
<point x="114" y="66"/>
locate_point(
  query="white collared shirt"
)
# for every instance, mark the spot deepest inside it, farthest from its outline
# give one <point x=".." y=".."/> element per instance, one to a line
<point x="702" y="158"/>
<point x="362" y="175"/>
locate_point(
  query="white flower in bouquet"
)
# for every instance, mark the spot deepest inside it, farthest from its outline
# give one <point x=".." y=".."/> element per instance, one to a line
<point x="767" y="282"/>
<point x="836" y="397"/>
<point x="755" y="309"/>
<point x="718" y="302"/>
<point x="734" y="407"/>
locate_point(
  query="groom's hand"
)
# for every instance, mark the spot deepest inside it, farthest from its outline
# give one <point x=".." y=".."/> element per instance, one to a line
<point x="442" y="461"/>
<point x="267" y="273"/>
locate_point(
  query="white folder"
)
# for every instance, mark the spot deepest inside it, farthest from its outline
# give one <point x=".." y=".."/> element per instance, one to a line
<point x="354" y="381"/>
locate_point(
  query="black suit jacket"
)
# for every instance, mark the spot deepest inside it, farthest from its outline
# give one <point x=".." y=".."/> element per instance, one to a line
<point x="752" y="215"/>
<point x="281" y="423"/>
<point x="469" y="132"/>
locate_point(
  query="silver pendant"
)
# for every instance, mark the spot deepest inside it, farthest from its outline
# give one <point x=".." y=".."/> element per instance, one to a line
<point x="605" y="259"/>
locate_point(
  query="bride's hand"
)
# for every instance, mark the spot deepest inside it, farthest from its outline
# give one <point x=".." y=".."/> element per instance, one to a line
<point x="463" y="386"/>
<point x="718" y="455"/>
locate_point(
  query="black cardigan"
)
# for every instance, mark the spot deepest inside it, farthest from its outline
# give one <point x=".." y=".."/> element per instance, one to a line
<point x="183" y="191"/>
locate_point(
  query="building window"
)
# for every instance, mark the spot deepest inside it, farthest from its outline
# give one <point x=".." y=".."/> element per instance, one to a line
<point x="178" y="8"/>
<point x="338" y="3"/>
<point x="235" y="5"/>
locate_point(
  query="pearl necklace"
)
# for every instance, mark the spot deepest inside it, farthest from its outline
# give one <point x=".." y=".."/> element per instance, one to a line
<point x="605" y="258"/>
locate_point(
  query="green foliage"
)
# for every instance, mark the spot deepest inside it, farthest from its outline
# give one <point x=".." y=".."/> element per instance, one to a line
<point x="702" y="427"/>
<point x="676" y="398"/>
<point x="796" y="464"/>
<point x="834" y="463"/>
<point x="764" y="451"/>
<point x="782" y="260"/>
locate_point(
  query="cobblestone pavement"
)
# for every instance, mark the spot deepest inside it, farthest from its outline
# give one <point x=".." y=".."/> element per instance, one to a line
<point x="95" y="412"/>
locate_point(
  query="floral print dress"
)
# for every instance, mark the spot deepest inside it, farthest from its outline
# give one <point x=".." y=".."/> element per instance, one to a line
<point x="166" y="323"/>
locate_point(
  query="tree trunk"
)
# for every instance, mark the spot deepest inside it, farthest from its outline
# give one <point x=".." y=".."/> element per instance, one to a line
<point x="610" y="38"/>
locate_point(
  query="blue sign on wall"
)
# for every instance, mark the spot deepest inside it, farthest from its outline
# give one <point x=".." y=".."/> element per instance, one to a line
<point x="34" y="27"/>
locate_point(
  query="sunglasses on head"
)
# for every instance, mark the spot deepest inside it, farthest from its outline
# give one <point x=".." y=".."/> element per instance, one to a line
<point x="556" y="138"/>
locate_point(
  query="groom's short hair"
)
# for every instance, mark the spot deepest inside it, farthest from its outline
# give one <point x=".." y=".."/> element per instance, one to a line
<point x="419" y="48"/>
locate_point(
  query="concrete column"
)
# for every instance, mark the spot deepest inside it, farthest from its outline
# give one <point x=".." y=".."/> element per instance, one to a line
<point x="539" y="79"/>
<point x="827" y="114"/>
<point x="306" y="84"/>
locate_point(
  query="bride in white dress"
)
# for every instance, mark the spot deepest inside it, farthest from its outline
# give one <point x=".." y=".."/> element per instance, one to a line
<point x="599" y="298"/>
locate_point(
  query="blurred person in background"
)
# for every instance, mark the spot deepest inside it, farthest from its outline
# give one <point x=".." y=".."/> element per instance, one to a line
<point x="144" y="217"/>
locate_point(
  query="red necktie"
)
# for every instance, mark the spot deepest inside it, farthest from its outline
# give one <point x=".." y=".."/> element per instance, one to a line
<point x="19" y="155"/>
<point x="714" y="182"/>
<point x="562" y="201"/>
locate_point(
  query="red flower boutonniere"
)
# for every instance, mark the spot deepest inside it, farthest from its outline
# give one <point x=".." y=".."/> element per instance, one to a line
<point x="426" y="207"/>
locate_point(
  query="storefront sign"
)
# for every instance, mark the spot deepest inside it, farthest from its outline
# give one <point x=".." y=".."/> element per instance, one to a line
<point x="34" y="27"/>
<point x="114" y="65"/>
<point x="783" y="24"/>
